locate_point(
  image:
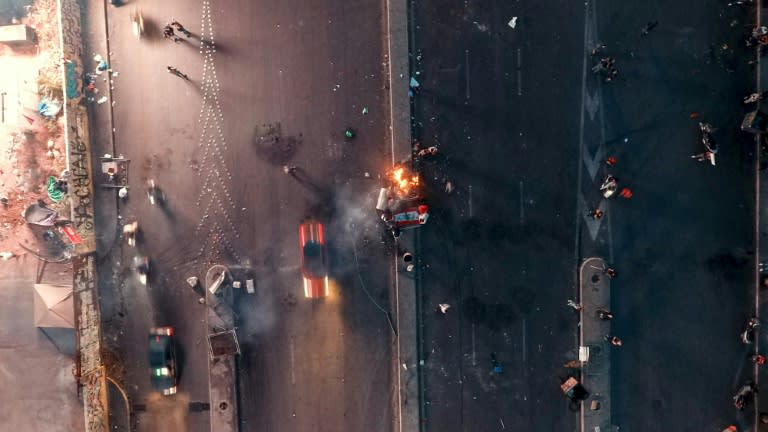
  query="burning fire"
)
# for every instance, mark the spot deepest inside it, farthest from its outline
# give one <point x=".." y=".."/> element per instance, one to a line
<point x="404" y="181"/>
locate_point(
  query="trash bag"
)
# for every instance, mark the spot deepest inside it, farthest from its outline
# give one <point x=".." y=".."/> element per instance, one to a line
<point x="39" y="214"/>
<point x="49" y="108"/>
<point x="54" y="193"/>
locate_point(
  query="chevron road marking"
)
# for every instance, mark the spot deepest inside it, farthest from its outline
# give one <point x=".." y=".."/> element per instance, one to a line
<point x="591" y="104"/>
<point x="593" y="225"/>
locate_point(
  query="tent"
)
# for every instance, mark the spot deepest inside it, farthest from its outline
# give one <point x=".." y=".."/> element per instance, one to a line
<point x="54" y="306"/>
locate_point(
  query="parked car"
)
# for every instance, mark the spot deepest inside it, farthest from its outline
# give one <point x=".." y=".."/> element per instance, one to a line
<point x="162" y="360"/>
<point x="314" y="266"/>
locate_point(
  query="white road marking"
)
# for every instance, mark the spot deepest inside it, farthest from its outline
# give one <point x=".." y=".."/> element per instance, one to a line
<point x="293" y="364"/>
<point x="593" y="162"/>
<point x="474" y="353"/>
<point x="522" y="207"/>
<point x="466" y="69"/>
<point x="580" y="203"/>
<point x="591" y="103"/>
<point x="525" y="345"/>
<point x="471" y="212"/>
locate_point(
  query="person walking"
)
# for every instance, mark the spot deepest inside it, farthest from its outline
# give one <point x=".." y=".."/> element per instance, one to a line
<point x="168" y="33"/>
<point x="180" y="28"/>
<point x="596" y="50"/>
<point x="615" y="341"/>
<point x="604" y="315"/>
<point x="610" y="272"/>
<point x="648" y="27"/>
<point x="758" y="359"/>
<point x="177" y="72"/>
<point x="576" y="306"/>
<point x="626" y="193"/>
<point x="495" y="365"/>
<point x="596" y="214"/>
<point x="611" y="161"/>
<point x="290" y="169"/>
<point x="748" y="334"/>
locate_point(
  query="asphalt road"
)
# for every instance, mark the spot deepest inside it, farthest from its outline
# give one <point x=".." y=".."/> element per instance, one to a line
<point x="523" y="128"/>
<point x="499" y="248"/>
<point x="281" y="87"/>
<point x="684" y="243"/>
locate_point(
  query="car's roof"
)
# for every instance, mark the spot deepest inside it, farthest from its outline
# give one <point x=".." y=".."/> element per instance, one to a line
<point x="158" y="346"/>
<point x="313" y="264"/>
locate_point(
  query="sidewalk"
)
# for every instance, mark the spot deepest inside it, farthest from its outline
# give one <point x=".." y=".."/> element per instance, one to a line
<point x="595" y="294"/>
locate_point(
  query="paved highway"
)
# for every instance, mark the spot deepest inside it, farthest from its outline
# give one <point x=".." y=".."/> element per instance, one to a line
<point x="523" y="129"/>
<point x="282" y="85"/>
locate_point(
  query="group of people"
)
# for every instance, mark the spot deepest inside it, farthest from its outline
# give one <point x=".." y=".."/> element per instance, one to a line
<point x="608" y="188"/>
<point x="607" y="67"/>
<point x="170" y="33"/>
<point x="743" y="396"/>
<point x="601" y="313"/>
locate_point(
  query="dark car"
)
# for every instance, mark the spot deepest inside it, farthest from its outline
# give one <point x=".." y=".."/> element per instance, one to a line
<point x="162" y="360"/>
<point x="314" y="268"/>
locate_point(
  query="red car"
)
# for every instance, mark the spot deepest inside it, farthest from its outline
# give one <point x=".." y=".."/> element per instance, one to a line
<point x="314" y="268"/>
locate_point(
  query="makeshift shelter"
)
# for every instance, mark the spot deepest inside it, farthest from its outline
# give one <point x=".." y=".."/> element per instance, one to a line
<point x="54" y="306"/>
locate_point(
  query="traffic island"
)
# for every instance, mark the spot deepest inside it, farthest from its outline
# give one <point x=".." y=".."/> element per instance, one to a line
<point x="595" y="350"/>
<point x="223" y="347"/>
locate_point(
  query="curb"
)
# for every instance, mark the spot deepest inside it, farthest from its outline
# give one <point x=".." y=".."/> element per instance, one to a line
<point x="222" y="371"/>
<point x="760" y="227"/>
<point x="595" y="294"/>
<point x="406" y="358"/>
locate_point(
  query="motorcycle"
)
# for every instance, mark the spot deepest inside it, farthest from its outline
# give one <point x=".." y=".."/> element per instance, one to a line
<point x="741" y="398"/>
<point x="153" y="193"/>
<point x="141" y="265"/>
<point x="137" y="23"/>
<point x="609" y="186"/>
<point x="709" y="143"/>
<point x="130" y="231"/>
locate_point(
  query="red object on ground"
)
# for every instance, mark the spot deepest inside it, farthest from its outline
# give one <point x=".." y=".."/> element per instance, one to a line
<point x="694" y="115"/>
<point x="625" y="193"/>
<point x="29" y="119"/>
<point x="760" y="359"/>
<point x="611" y="161"/>
<point x="74" y="237"/>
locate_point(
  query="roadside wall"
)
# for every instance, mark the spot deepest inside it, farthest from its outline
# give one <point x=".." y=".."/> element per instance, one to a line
<point x="87" y="315"/>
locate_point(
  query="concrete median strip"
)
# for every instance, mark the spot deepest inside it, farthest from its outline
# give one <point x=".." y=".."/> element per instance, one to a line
<point x="406" y="358"/>
<point x="595" y="295"/>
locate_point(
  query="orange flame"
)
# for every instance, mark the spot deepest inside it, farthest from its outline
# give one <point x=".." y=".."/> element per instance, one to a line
<point x="403" y="181"/>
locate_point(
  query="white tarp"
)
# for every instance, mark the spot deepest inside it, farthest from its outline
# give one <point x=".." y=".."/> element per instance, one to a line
<point x="54" y="306"/>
